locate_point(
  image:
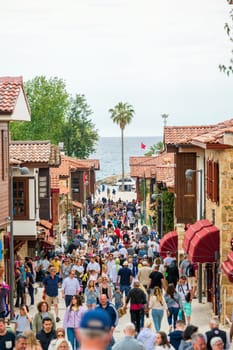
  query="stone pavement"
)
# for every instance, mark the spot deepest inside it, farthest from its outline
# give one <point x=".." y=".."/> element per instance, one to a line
<point x="200" y="316"/>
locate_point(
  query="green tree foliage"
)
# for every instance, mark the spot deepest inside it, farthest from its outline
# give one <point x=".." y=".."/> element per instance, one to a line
<point x="122" y="115"/>
<point x="228" y="69"/>
<point x="49" y="101"/>
<point x="168" y="210"/>
<point x="156" y="148"/>
<point x="79" y="133"/>
<point x="57" y="117"/>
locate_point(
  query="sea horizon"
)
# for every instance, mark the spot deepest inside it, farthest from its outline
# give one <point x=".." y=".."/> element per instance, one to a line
<point x="108" y="152"/>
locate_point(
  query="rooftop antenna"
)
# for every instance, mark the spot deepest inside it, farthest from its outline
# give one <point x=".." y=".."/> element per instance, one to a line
<point x="164" y="116"/>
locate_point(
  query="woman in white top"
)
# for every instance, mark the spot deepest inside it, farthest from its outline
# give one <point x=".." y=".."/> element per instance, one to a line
<point x="161" y="342"/>
<point x="157" y="305"/>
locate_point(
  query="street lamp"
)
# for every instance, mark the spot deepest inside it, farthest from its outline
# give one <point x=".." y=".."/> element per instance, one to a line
<point x="23" y="171"/>
<point x="154" y="195"/>
<point x="189" y="174"/>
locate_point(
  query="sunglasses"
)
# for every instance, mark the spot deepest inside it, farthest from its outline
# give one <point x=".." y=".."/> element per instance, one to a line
<point x="60" y="335"/>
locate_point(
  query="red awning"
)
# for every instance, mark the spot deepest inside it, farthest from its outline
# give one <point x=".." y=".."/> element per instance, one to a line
<point x="227" y="267"/>
<point x="204" y="246"/>
<point x="192" y="230"/>
<point x="169" y="242"/>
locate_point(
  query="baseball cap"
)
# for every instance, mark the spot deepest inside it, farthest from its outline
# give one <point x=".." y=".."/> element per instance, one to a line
<point x="97" y="320"/>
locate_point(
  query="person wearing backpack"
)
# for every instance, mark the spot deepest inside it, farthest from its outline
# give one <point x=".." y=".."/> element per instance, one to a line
<point x="189" y="269"/>
<point x="183" y="288"/>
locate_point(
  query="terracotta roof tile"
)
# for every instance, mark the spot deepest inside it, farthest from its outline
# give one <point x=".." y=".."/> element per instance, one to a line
<point x="215" y="136"/>
<point x="9" y="92"/>
<point x="185" y="134"/>
<point x="161" y="167"/>
<point x="35" y="152"/>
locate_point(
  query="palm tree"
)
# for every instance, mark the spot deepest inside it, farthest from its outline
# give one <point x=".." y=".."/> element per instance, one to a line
<point x="122" y="114"/>
<point x="156" y="148"/>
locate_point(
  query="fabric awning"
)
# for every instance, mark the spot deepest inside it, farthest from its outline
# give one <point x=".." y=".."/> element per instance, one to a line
<point x="77" y="204"/>
<point x="227" y="267"/>
<point x="192" y="230"/>
<point x="46" y="224"/>
<point x="169" y="242"/>
<point x="204" y="246"/>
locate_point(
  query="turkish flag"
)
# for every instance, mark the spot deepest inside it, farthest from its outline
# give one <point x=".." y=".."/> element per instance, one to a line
<point x="84" y="177"/>
<point x="143" y="146"/>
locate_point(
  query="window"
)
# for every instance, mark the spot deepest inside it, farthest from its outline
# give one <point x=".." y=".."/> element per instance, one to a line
<point x="20" y="199"/>
<point x="212" y="179"/>
<point x="43" y="187"/>
<point x="75" y="185"/>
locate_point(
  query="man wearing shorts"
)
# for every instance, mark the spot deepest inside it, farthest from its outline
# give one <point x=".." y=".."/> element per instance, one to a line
<point x="51" y="283"/>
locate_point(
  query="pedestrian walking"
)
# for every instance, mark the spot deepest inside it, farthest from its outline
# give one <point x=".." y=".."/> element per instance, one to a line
<point x="72" y="318"/>
<point x="198" y="341"/>
<point x="70" y="287"/>
<point x="23" y="320"/>
<point x="128" y="341"/>
<point x="156" y="279"/>
<point x="7" y="338"/>
<point x="91" y="294"/>
<point x="43" y="311"/>
<point x="138" y="301"/>
<point x="158" y="305"/>
<point x="176" y="336"/>
<point x="60" y="334"/>
<point x="95" y="330"/>
<point x="187" y="306"/>
<point x="20" y="342"/>
<point x="104" y="304"/>
<point x="216" y="332"/>
<point x="146" y="336"/>
<point x="125" y="278"/>
<point x="174" y="304"/>
<point x="46" y="334"/>
<point x="51" y="283"/>
<point x="30" y="283"/>
<point x="32" y="342"/>
<point x="186" y="342"/>
<point x="161" y="342"/>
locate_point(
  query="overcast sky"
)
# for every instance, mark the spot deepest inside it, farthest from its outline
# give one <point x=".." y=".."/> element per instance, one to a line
<point x="161" y="56"/>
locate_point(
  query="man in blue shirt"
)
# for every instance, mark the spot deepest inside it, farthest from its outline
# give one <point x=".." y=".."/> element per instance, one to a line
<point x="125" y="276"/>
<point x="50" y="283"/>
<point x="112" y="312"/>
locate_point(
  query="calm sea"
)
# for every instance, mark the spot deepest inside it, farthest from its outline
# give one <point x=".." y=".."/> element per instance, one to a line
<point x="108" y="152"/>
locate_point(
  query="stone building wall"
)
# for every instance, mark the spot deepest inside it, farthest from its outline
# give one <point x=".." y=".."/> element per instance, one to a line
<point x="223" y="214"/>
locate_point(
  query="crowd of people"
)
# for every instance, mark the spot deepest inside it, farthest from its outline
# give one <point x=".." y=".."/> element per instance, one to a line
<point x="112" y="265"/>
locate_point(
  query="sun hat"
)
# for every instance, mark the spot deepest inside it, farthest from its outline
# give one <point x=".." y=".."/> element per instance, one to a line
<point x="96" y="319"/>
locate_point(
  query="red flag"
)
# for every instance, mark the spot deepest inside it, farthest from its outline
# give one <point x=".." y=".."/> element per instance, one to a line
<point x="143" y="146"/>
<point x="84" y="177"/>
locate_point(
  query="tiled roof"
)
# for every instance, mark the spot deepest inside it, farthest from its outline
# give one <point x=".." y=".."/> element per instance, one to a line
<point x="9" y="91"/>
<point x="185" y="134"/>
<point x="35" y="152"/>
<point x="161" y="167"/>
<point x="214" y="137"/>
<point x="182" y="134"/>
<point x="67" y="165"/>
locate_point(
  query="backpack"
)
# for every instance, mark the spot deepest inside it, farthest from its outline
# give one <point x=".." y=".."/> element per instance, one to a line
<point x="190" y="272"/>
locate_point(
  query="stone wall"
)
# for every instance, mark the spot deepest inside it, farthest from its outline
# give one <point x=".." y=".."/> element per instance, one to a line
<point x="223" y="214"/>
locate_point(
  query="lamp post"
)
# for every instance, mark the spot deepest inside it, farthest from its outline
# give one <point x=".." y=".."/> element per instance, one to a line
<point x="189" y="174"/>
<point x="161" y="212"/>
<point x="23" y="171"/>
